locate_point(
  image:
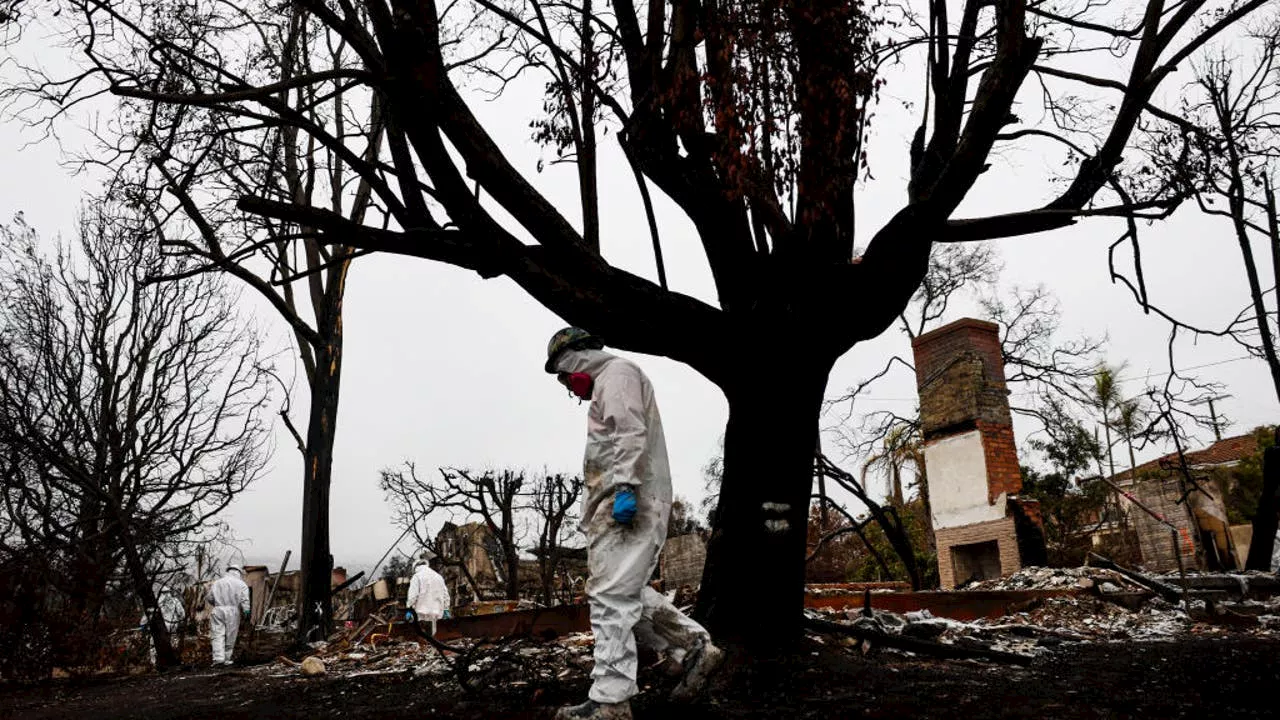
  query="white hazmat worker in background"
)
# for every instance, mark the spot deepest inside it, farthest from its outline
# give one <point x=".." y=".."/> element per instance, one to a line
<point x="428" y="595"/>
<point x="229" y="596"/>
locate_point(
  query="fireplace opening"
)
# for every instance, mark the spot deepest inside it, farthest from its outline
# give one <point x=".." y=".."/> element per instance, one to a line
<point x="975" y="561"/>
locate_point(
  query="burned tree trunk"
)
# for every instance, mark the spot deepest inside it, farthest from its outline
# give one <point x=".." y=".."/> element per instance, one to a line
<point x="315" y="614"/>
<point x="1265" y="521"/>
<point x="510" y="551"/>
<point x="166" y="656"/>
<point x="755" y="559"/>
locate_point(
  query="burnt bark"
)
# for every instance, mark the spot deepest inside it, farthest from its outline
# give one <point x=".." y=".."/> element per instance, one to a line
<point x="756" y="555"/>
<point x="315" y="614"/>
<point x="166" y="656"/>
<point x="1265" y="521"/>
<point x="510" y="553"/>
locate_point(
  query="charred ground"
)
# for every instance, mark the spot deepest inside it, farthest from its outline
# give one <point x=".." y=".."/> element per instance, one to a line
<point x="1228" y="675"/>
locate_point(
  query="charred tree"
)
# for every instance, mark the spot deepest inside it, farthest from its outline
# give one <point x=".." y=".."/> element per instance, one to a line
<point x="494" y="498"/>
<point x="554" y="502"/>
<point x="1262" y="549"/>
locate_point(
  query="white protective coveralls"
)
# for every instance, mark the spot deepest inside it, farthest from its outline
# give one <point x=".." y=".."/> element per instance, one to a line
<point x="229" y="596"/>
<point x="625" y="446"/>
<point x="428" y="594"/>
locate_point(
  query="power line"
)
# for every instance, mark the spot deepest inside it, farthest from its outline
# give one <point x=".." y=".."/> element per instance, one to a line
<point x="1193" y="367"/>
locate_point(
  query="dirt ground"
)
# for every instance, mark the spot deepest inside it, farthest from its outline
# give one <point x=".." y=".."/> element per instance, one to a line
<point x="1232" y="676"/>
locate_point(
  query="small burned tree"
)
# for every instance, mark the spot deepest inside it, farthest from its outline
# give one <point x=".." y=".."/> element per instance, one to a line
<point x="496" y="499"/>
<point x="131" y="413"/>
<point x="554" y="501"/>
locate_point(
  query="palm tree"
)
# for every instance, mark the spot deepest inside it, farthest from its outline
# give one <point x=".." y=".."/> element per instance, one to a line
<point x="1106" y="397"/>
<point x="1129" y="418"/>
<point x="902" y="447"/>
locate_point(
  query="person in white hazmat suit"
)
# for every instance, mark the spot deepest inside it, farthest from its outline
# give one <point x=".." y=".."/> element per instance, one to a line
<point x="229" y="596"/>
<point x="428" y="595"/>
<point x="625" y="510"/>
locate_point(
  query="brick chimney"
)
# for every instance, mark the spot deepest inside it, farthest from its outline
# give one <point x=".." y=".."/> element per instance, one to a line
<point x="982" y="530"/>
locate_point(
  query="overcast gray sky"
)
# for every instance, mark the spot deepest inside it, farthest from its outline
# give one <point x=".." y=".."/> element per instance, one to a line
<point x="444" y="368"/>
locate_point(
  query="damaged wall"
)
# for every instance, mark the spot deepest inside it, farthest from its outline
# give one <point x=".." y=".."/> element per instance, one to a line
<point x="958" y="489"/>
<point x="1155" y="541"/>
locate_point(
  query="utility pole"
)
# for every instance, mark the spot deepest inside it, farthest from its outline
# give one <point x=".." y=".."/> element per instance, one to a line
<point x="1213" y="417"/>
<point x="1213" y="414"/>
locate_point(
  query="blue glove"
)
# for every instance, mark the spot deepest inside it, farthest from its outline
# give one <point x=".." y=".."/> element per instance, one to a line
<point x="409" y="616"/>
<point x="624" y="505"/>
<point x="447" y="614"/>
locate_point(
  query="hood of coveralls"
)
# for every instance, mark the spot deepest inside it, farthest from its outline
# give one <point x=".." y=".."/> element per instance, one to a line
<point x="587" y="361"/>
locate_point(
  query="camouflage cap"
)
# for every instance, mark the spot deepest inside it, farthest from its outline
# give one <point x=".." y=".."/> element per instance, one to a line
<point x="570" y="338"/>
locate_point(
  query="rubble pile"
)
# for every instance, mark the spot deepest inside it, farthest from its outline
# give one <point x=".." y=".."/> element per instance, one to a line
<point x="1046" y="578"/>
<point x="1080" y="617"/>
<point x="390" y="657"/>
<point x="1087" y="617"/>
<point x="515" y="663"/>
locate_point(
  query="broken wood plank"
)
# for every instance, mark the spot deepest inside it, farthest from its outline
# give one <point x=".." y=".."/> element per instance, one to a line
<point x="915" y="645"/>
<point x="1244" y="585"/>
<point x="1164" y="590"/>
<point x="271" y="593"/>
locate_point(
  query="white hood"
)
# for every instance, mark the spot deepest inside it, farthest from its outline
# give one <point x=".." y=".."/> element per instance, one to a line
<point x="590" y="362"/>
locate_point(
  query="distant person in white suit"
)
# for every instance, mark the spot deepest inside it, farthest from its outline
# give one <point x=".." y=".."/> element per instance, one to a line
<point x="428" y="595"/>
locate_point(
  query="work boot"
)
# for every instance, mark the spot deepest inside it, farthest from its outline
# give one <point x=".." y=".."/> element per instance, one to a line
<point x="698" y="666"/>
<point x="592" y="710"/>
